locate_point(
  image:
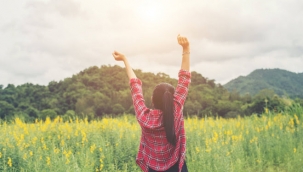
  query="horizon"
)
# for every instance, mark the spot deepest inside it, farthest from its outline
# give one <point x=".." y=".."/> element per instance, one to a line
<point x="4" y="86"/>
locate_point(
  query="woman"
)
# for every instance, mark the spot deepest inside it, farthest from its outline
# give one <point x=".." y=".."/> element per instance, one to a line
<point x="163" y="143"/>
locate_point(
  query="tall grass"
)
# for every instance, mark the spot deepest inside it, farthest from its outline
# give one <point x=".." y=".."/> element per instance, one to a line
<point x="294" y="109"/>
<point x="273" y="142"/>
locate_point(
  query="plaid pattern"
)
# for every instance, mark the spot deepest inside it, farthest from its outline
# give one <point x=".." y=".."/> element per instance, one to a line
<point x="154" y="150"/>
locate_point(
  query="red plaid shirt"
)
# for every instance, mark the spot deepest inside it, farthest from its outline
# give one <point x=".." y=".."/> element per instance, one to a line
<point x="154" y="150"/>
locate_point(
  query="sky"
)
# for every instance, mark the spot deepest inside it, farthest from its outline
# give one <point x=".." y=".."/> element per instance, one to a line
<point x="49" y="40"/>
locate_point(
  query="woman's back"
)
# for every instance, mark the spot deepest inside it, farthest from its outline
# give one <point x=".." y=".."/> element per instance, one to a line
<point x="155" y="151"/>
<point x="163" y="143"/>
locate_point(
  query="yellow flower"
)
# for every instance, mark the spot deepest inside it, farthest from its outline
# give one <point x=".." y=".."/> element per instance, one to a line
<point x="258" y="130"/>
<point x="215" y="137"/>
<point x="67" y="161"/>
<point x="67" y="154"/>
<point x="31" y="153"/>
<point x="34" y="140"/>
<point x="238" y="124"/>
<point x="0" y="154"/>
<point x="197" y="150"/>
<point x="228" y="153"/>
<point x="291" y="123"/>
<point x="56" y="150"/>
<point x="101" y="167"/>
<point x="295" y="150"/>
<point x="24" y="156"/>
<point x="9" y="162"/>
<point x="48" y="160"/>
<point x="44" y="147"/>
<point x="92" y="148"/>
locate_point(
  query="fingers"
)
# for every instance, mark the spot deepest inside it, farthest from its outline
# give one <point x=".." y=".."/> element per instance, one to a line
<point x="116" y="53"/>
<point x="118" y="56"/>
<point x="179" y="40"/>
<point x="182" y="40"/>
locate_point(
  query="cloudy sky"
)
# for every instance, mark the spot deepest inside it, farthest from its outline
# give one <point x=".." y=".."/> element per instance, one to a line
<point x="46" y="40"/>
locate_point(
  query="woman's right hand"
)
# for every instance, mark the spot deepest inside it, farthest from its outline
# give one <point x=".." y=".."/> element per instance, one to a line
<point x="118" y="56"/>
<point x="183" y="42"/>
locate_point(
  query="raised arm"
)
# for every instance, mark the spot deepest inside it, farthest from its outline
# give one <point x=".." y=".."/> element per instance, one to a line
<point x="181" y="90"/>
<point x="120" y="57"/>
<point x="186" y="52"/>
<point x="136" y="92"/>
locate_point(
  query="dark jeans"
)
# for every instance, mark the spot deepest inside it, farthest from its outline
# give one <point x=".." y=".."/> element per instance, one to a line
<point x="174" y="168"/>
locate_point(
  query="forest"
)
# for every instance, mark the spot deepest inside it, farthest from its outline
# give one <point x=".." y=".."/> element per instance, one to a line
<point x="104" y="91"/>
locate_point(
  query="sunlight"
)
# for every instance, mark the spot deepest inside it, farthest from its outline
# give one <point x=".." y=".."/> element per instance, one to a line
<point x="150" y="12"/>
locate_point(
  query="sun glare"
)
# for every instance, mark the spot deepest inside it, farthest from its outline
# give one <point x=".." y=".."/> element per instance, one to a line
<point x="150" y="12"/>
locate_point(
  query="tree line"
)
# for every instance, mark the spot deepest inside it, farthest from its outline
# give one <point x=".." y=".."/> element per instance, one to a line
<point x="98" y="91"/>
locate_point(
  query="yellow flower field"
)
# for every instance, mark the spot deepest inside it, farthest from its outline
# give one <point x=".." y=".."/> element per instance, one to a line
<point x="267" y="143"/>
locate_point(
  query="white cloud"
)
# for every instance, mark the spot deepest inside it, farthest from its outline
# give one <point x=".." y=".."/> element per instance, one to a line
<point x="54" y="39"/>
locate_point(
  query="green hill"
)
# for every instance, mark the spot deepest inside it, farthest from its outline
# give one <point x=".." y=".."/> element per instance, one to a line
<point x="98" y="91"/>
<point x="281" y="81"/>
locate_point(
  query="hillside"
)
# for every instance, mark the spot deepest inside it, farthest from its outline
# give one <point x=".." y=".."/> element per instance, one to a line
<point x="281" y="81"/>
<point x="98" y="91"/>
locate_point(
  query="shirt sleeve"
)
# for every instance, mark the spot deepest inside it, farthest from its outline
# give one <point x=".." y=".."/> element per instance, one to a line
<point x="182" y="88"/>
<point x="139" y="104"/>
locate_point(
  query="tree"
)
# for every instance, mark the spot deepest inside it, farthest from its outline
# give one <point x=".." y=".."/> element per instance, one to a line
<point x="192" y="108"/>
<point x="197" y="78"/>
<point x="97" y="104"/>
<point x="48" y="113"/>
<point x="118" y="109"/>
<point x="9" y="94"/>
<point x="211" y="83"/>
<point x="224" y="107"/>
<point x="6" y="109"/>
<point x="265" y="93"/>
<point x="234" y="95"/>
<point x="70" y="114"/>
<point x="247" y="98"/>
<point x="32" y="112"/>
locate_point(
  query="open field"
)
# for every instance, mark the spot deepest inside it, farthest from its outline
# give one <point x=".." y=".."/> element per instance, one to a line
<point x="268" y="143"/>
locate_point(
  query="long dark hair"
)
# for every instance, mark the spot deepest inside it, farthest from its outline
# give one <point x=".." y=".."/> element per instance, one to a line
<point x="163" y="100"/>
